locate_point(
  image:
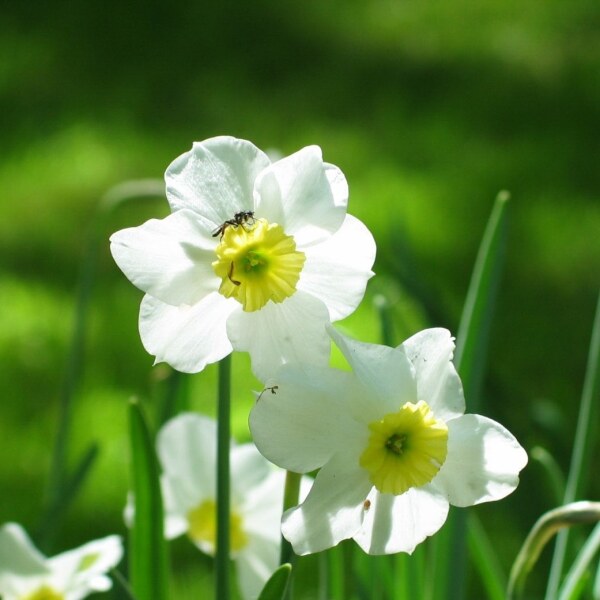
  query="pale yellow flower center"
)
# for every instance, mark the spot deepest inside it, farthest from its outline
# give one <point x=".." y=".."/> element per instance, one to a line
<point x="44" y="593"/>
<point x="257" y="262"/>
<point x="202" y="522"/>
<point x="406" y="449"/>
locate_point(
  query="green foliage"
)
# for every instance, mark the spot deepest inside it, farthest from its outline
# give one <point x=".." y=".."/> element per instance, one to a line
<point x="429" y="108"/>
<point x="147" y="546"/>
<point x="275" y="587"/>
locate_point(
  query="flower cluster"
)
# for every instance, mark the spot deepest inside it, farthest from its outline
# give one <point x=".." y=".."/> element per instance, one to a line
<point x="262" y="257"/>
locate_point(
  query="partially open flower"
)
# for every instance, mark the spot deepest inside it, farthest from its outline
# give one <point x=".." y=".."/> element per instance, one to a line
<point x="256" y="256"/>
<point x="391" y="440"/>
<point x="26" y="574"/>
<point x="186" y="449"/>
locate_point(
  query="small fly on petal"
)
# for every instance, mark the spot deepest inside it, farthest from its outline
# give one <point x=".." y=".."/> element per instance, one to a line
<point x="239" y="219"/>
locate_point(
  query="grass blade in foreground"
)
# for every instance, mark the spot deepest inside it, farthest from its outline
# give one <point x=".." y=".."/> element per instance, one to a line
<point x="485" y="560"/>
<point x="275" y="588"/>
<point x="582" y="449"/>
<point x="147" y="547"/>
<point x="471" y="344"/>
<point x="576" y="574"/>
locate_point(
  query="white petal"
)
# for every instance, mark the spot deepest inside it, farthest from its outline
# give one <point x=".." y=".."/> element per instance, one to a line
<point x="483" y="463"/>
<point x="290" y="331"/>
<point x="337" y="270"/>
<point x="255" y="564"/>
<point x="307" y="420"/>
<point x="398" y="523"/>
<point x="18" y="556"/>
<point x="262" y="507"/>
<point x="248" y="469"/>
<point x="170" y="259"/>
<point x="215" y="178"/>
<point x="186" y="337"/>
<point x="333" y="509"/>
<point x="186" y="447"/>
<point x="304" y="195"/>
<point x="438" y="383"/>
<point x="83" y="569"/>
<point x="385" y="372"/>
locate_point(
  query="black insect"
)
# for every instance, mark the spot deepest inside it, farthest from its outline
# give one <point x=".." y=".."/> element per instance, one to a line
<point x="241" y="218"/>
<point x="273" y="389"/>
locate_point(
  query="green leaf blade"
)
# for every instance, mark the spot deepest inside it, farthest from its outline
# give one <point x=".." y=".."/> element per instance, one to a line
<point x="147" y="548"/>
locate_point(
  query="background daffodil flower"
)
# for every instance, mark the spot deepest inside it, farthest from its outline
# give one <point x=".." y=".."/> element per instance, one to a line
<point x="186" y="450"/>
<point x="26" y="574"/>
<point x="256" y="256"/>
<point x="391" y="440"/>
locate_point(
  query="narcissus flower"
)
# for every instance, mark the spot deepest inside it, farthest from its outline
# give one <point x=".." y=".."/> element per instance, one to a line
<point x="186" y="449"/>
<point x="392" y="443"/>
<point x="256" y="256"/>
<point x="26" y="574"/>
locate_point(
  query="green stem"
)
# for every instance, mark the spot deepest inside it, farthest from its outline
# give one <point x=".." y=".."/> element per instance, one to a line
<point x="291" y="494"/>
<point x="223" y="478"/>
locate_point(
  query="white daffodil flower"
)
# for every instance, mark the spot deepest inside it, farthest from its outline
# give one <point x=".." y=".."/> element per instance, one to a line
<point x="26" y="574"/>
<point x="392" y="443"/>
<point x="256" y="256"/>
<point x="186" y="448"/>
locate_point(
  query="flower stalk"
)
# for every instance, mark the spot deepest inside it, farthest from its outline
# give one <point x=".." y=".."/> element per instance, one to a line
<point x="223" y="500"/>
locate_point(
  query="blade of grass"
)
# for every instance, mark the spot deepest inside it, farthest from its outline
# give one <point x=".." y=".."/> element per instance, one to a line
<point x="476" y="319"/>
<point x="337" y="579"/>
<point x="546" y="526"/>
<point x="578" y="569"/>
<point x="176" y="397"/>
<point x="62" y="486"/>
<point x="485" y="559"/>
<point x="471" y="345"/>
<point x="276" y="585"/>
<point x="147" y="546"/>
<point x="582" y="448"/>
<point x="222" y="588"/>
<point x="554" y="474"/>
<point x="123" y="584"/>
<point x="54" y="512"/>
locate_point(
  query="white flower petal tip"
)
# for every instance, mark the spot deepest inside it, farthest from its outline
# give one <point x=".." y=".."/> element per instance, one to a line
<point x="186" y="450"/>
<point x="484" y="461"/>
<point x="250" y="235"/>
<point x="394" y="425"/>
<point x="25" y="572"/>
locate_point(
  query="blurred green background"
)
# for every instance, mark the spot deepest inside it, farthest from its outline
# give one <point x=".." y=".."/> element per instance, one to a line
<point x="429" y="108"/>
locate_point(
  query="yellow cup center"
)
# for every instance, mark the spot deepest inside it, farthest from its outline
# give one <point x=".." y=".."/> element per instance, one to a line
<point x="202" y="522"/>
<point x="257" y="262"/>
<point x="406" y="449"/>
<point x="44" y="593"/>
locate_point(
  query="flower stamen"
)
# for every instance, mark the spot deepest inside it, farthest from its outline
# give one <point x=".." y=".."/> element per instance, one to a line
<point x="257" y="263"/>
<point x="202" y="529"/>
<point x="406" y="449"/>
